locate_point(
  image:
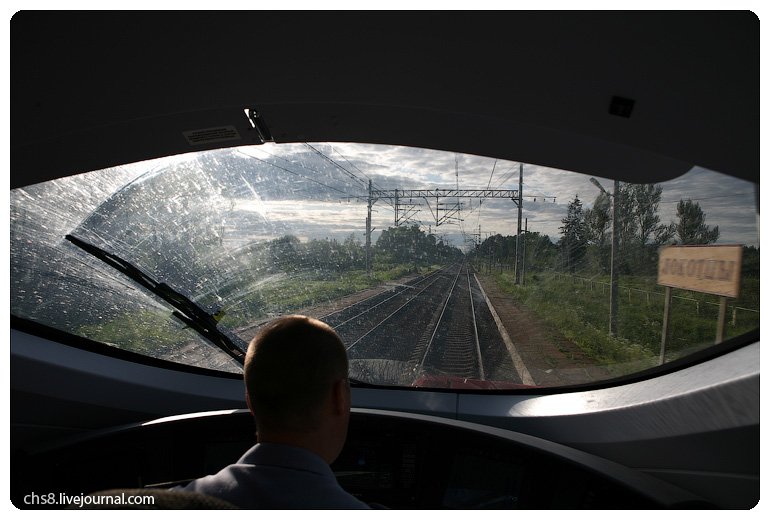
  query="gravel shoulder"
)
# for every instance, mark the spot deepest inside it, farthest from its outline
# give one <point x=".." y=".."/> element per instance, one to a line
<point x="552" y="360"/>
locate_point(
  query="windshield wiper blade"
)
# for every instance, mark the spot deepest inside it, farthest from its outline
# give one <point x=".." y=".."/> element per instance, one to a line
<point x="362" y="384"/>
<point x="186" y="310"/>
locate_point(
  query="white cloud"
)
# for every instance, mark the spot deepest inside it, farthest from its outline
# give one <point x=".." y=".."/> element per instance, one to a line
<point x="727" y="202"/>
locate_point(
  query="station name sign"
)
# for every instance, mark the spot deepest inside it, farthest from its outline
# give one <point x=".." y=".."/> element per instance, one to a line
<point x="707" y="269"/>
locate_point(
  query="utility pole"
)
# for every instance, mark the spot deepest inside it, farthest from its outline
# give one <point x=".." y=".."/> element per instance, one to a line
<point x="517" y="271"/>
<point x="395" y="220"/>
<point x="491" y="263"/>
<point x="613" y="253"/>
<point x="369" y="232"/>
<point x="524" y="255"/>
<point x="613" y="262"/>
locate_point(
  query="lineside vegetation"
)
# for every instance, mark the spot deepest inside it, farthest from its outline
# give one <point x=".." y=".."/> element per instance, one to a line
<point x="566" y="282"/>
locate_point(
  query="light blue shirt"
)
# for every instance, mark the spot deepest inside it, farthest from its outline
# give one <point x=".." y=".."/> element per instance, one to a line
<point x="277" y="476"/>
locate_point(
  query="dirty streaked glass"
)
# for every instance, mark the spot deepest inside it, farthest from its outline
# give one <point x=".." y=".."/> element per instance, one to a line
<point x="413" y="255"/>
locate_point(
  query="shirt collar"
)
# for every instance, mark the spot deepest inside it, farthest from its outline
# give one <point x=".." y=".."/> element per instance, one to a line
<point x="286" y="456"/>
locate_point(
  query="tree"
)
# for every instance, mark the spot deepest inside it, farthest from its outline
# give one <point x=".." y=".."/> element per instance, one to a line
<point x="650" y="234"/>
<point x="284" y="252"/>
<point x="573" y="241"/>
<point x="540" y="252"/>
<point x="597" y="227"/>
<point x="691" y="227"/>
<point x="750" y="262"/>
<point x="597" y="220"/>
<point x="354" y="251"/>
<point x="639" y="230"/>
<point x="410" y="245"/>
<point x="627" y="254"/>
<point x="644" y="200"/>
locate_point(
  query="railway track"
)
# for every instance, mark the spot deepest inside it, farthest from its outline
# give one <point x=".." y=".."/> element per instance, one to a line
<point x="438" y="326"/>
<point x="454" y="347"/>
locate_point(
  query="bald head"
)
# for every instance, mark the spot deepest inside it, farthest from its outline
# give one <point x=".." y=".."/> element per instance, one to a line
<point x="290" y="369"/>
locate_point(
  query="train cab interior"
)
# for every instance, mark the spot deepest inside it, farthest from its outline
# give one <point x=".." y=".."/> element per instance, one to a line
<point x="178" y="179"/>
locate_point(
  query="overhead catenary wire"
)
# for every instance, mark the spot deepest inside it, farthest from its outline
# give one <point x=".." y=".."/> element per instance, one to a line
<point x="351" y="163"/>
<point x="295" y="173"/>
<point x="740" y="194"/>
<point x="335" y="163"/>
<point x="507" y="176"/>
<point x="360" y="198"/>
<point x="347" y="171"/>
<point x="347" y="195"/>
<point x="374" y="184"/>
<point x="478" y="220"/>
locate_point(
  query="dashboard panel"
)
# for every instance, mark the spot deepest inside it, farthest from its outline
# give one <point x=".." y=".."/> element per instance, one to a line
<point x="391" y="459"/>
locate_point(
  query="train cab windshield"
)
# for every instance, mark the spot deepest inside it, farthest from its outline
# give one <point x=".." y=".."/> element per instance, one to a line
<point x="437" y="269"/>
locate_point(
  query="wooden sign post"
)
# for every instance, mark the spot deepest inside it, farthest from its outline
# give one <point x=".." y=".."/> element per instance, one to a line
<point x="707" y="269"/>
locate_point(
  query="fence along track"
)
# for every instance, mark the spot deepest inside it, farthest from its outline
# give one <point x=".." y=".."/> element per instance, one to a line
<point x="588" y="282"/>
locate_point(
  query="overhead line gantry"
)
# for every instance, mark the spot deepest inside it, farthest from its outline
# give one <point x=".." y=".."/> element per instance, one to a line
<point x="437" y="193"/>
<point x="405" y="210"/>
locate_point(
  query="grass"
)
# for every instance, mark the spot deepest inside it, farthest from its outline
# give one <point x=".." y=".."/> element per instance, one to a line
<point x="307" y="288"/>
<point x="146" y="332"/>
<point x="155" y="333"/>
<point x="581" y="314"/>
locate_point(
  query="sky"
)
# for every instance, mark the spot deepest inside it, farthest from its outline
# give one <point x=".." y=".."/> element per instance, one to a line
<point x="726" y="201"/>
<point x="319" y="191"/>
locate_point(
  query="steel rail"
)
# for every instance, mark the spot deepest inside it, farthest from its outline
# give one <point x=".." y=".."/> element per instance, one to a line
<point x="368" y="309"/>
<point x="482" y="376"/>
<point x="410" y="300"/>
<point x="438" y="323"/>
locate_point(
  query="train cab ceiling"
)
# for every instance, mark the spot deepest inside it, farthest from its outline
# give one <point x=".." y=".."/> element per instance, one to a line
<point x="179" y="178"/>
<point x="601" y="89"/>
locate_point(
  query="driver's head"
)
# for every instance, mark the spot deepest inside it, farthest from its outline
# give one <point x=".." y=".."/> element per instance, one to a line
<point x="291" y="370"/>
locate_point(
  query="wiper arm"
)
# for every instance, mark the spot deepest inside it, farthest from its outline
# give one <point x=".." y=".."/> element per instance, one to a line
<point x="189" y="312"/>
<point x="362" y="384"/>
